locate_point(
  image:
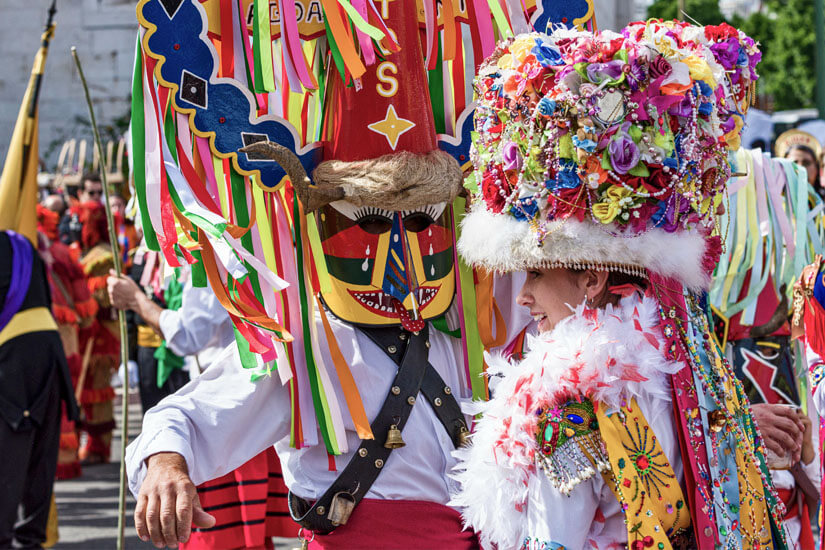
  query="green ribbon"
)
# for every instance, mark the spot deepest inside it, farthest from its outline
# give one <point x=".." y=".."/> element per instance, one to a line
<point x="167" y="359"/>
<point x="138" y="135"/>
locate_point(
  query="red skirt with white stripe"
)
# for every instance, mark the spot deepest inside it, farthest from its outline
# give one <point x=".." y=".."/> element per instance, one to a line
<point x="249" y="505"/>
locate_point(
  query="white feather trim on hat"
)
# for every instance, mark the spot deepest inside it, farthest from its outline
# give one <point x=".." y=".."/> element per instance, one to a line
<point x="501" y="243"/>
<point x="618" y="357"/>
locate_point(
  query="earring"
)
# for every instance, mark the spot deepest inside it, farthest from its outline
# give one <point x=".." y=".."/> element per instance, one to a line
<point x="586" y="300"/>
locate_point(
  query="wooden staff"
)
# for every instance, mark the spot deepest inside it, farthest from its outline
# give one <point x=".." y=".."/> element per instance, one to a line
<point x="121" y="315"/>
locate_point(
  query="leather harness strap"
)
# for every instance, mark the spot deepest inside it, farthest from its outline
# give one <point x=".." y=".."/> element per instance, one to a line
<point x="414" y="375"/>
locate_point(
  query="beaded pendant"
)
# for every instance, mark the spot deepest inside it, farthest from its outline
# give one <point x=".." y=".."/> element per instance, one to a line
<point x="570" y="448"/>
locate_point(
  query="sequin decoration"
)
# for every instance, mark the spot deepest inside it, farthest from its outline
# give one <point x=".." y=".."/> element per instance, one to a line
<point x="570" y="448"/>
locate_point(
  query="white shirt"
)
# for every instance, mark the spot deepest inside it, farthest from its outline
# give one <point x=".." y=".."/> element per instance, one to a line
<point x="221" y="419"/>
<point x="200" y="328"/>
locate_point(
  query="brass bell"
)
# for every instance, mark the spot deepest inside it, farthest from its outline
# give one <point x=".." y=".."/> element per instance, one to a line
<point x="341" y="508"/>
<point x="394" y="439"/>
<point x="463" y="436"/>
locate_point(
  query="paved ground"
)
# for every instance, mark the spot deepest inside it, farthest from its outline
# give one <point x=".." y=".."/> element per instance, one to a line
<point x="87" y="506"/>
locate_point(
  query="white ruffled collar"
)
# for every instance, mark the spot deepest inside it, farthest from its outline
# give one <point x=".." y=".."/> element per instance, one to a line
<point x="608" y="355"/>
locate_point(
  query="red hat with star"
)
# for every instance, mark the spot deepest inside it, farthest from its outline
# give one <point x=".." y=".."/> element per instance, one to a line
<point x="380" y="145"/>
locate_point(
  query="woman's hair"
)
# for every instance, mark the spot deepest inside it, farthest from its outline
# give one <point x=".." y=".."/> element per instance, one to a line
<point x="614" y="279"/>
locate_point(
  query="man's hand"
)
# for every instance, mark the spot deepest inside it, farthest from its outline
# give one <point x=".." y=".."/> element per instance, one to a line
<point x="168" y="504"/>
<point x="123" y="291"/>
<point x="781" y="427"/>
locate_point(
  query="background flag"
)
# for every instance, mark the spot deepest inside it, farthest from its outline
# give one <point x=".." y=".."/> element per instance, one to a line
<point x="18" y="182"/>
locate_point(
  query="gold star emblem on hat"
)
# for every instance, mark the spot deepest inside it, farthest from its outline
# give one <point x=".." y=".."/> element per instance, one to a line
<point x="391" y="127"/>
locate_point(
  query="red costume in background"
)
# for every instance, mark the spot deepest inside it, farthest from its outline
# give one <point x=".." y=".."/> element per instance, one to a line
<point x="97" y="395"/>
<point x="72" y="307"/>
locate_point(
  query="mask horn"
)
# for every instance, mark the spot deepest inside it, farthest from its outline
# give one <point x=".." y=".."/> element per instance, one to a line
<point x="312" y="197"/>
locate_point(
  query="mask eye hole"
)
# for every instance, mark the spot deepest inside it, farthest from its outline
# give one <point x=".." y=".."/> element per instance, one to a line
<point x="417" y="222"/>
<point x="375" y="224"/>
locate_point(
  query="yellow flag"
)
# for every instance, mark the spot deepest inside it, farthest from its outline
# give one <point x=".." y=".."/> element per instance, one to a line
<point x="18" y="182"/>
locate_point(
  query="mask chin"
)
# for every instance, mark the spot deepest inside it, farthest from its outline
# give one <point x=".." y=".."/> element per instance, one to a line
<point x="375" y="282"/>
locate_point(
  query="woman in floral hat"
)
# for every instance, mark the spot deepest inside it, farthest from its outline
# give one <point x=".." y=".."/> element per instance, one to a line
<point x="600" y="167"/>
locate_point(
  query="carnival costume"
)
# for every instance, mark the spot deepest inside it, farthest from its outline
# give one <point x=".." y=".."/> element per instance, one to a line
<point x="609" y="152"/>
<point x="72" y="308"/>
<point x="330" y="240"/>
<point x="774" y="230"/>
<point x="97" y="395"/>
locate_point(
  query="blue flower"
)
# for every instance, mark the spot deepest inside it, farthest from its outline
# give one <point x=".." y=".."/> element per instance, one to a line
<point x="704" y="89"/>
<point x="525" y="209"/>
<point x="566" y="178"/>
<point x="546" y="54"/>
<point x="587" y="144"/>
<point x="705" y="108"/>
<point x="742" y="60"/>
<point x="546" y="106"/>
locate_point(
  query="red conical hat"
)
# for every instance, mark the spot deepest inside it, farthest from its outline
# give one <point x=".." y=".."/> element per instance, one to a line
<point x="389" y="110"/>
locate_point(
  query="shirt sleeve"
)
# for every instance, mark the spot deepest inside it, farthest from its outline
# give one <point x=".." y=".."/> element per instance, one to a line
<point x="216" y="422"/>
<point x="189" y="330"/>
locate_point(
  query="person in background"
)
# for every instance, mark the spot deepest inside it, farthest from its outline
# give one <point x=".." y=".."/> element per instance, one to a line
<point x="249" y="503"/>
<point x="98" y="394"/>
<point x="127" y="235"/>
<point x="34" y="379"/>
<point x="72" y="308"/>
<point x="803" y="149"/>
<point x="91" y="190"/>
<point x="159" y="369"/>
<point x="56" y="204"/>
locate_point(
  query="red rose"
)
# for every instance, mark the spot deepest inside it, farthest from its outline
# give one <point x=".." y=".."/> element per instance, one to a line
<point x="720" y="33"/>
<point x="491" y="187"/>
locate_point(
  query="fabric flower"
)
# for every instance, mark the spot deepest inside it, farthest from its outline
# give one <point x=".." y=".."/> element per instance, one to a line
<point x="659" y="66"/>
<point x="595" y="175"/>
<point x="599" y="72"/>
<point x="546" y="54"/>
<point x="700" y="70"/>
<point x="525" y="209"/>
<point x="726" y="53"/>
<point x="546" y="106"/>
<point x="615" y="200"/>
<point x="566" y="178"/>
<point x="670" y="212"/>
<point x="512" y="156"/>
<point x="491" y="187"/>
<point x="623" y="152"/>
<point x="521" y="47"/>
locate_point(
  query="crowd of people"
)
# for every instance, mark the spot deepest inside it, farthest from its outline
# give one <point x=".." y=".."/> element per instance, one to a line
<point x="618" y="406"/>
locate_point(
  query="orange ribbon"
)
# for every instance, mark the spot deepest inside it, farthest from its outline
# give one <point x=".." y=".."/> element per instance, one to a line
<point x="353" y="398"/>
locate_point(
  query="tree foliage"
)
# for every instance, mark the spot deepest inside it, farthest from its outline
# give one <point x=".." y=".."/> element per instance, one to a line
<point x="705" y="12"/>
<point x="785" y="31"/>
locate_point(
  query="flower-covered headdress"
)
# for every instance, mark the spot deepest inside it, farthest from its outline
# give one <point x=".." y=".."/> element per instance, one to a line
<point x="607" y="150"/>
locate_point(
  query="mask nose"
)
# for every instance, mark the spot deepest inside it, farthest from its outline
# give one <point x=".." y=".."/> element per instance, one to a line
<point x="399" y="277"/>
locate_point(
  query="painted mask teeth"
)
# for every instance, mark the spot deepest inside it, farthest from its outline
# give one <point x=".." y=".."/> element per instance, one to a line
<point x="382" y="303"/>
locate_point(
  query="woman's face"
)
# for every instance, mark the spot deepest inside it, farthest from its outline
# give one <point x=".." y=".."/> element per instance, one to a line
<point x="806" y="161"/>
<point x="550" y="293"/>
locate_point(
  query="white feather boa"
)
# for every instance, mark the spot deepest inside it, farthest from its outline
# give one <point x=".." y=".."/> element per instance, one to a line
<point x="607" y="355"/>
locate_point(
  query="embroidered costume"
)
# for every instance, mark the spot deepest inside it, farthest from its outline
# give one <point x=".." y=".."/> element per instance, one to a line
<point x="325" y="224"/>
<point x="622" y="426"/>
